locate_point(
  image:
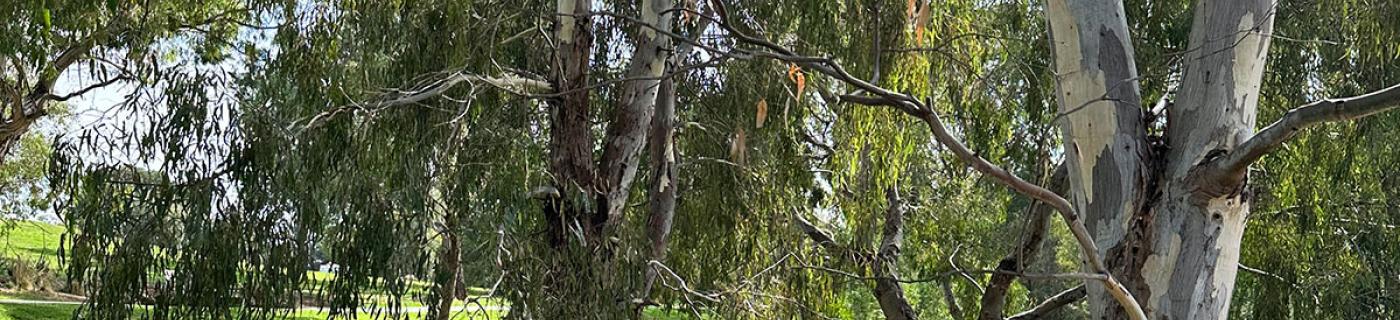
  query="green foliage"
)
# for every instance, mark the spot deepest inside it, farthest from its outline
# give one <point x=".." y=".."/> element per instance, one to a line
<point x="257" y="139"/>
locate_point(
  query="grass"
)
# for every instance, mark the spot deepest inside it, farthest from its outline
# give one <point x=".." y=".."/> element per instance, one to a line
<point x="39" y="241"/>
<point x="36" y="311"/>
<point x="32" y="241"/>
<point x="62" y="312"/>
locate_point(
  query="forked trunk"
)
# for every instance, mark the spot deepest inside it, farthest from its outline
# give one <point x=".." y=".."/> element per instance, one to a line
<point x="1169" y="230"/>
<point x="1200" y="219"/>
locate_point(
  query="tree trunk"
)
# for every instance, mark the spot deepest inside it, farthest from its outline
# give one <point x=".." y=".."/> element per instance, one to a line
<point x="1170" y="231"/>
<point x="627" y="131"/>
<point x="1200" y="220"/>
<point x="570" y="133"/>
<point x="1106" y="150"/>
<point x="1032" y="238"/>
<point x="448" y="269"/>
<point x="888" y="291"/>
<point x="663" y="179"/>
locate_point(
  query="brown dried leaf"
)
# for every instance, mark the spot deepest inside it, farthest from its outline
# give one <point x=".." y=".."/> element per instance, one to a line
<point x="920" y="24"/>
<point x="762" y="112"/>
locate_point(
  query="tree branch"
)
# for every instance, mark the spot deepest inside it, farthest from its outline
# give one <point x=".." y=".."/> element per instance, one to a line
<point x="821" y="237"/>
<point x="1050" y="305"/>
<point x="912" y="106"/>
<point x="85" y="90"/>
<point x="1037" y="226"/>
<point x="1235" y="164"/>
<point x="887" y="289"/>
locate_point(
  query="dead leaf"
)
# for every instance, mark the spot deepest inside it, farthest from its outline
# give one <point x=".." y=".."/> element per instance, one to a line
<point x="909" y="10"/>
<point x="795" y="74"/>
<point x="762" y="112"/>
<point x="920" y="24"/>
<point x="686" y="15"/>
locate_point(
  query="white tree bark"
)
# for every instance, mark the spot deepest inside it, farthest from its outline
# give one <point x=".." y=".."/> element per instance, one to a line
<point x="1106" y="150"/>
<point x="627" y="131"/>
<point x="1197" y="226"/>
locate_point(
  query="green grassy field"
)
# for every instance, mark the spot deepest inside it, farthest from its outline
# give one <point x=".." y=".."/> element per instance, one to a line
<point x="35" y="241"/>
<point x="31" y="241"/>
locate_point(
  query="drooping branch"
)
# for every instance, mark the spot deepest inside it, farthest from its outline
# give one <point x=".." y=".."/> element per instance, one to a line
<point x="1037" y="228"/>
<point x="1053" y="303"/>
<point x="908" y="104"/>
<point x="1233" y="166"/>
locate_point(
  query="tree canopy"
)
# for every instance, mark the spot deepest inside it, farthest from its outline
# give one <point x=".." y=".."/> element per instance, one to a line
<point x="729" y="159"/>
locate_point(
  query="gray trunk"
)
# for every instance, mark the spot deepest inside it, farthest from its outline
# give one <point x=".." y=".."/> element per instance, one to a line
<point x="1106" y="150"/>
<point x="1198" y="225"/>
<point x="1178" y="254"/>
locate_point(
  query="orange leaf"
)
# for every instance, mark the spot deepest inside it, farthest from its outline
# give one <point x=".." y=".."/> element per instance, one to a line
<point x="793" y="69"/>
<point x="686" y="14"/>
<point x="920" y="24"/>
<point x="762" y="111"/>
<point x="909" y="10"/>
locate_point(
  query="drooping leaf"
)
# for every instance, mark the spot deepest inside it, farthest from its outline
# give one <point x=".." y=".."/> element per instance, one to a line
<point x="762" y="112"/>
<point x="921" y="23"/>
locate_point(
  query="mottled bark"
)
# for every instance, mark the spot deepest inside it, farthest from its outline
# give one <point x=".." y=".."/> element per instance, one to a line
<point x="1105" y="138"/>
<point x="1037" y="228"/>
<point x="1198" y="224"/>
<point x="662" y="203"/>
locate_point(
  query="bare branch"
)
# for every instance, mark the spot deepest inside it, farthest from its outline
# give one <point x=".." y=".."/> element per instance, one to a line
<point x="508" y="82"/>
<point x="908" y="104"/>
<point x="85" y="90"/>
<point x="1233" y="166"/>
<point x="1054" y="303"/>
<point x="821" y="237"/>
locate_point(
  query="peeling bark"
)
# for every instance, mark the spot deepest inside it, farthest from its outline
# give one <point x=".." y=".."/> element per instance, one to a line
<point x="1106" y="150"/>
<point x="663" y="177"/>
<point x="627" y="131"/>
<point x="571" y="139"/>
<point x="1199" y="223"/>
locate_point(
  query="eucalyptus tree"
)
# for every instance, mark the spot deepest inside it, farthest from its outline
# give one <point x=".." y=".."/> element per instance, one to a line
<point x="511" y="136"/>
